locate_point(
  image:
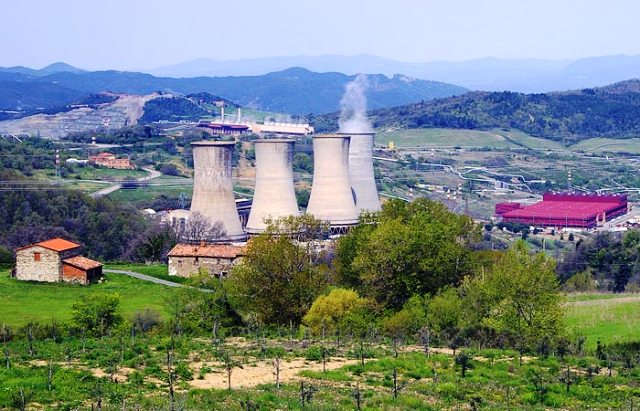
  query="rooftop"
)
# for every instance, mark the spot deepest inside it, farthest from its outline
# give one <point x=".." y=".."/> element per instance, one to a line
<point x="207" y="250"/>
<point x="562" y="209"/>
<point x="55" y="244"/>
<point x="82" y="262"/>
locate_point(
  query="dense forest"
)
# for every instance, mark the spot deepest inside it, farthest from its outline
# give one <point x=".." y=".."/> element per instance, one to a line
<point x="108" y="230"/>
<point x="172" y="109"/>
<point x="611" y="111"/>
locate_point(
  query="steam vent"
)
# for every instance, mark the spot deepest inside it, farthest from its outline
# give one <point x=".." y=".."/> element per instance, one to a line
<point x="274" y="194"/>
<point x="213" y="188"/>
<point x="361" y="176"/>
<point x="331" y="198"/>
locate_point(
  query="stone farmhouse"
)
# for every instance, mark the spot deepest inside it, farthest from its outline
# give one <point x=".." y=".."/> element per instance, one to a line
<point x="109" y="160"/>
<point x="53" y="261"/>
<point x="186" y="260"/>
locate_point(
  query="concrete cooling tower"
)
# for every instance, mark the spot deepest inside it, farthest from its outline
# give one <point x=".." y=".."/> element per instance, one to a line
<point x="275" y="195"/>
<point x="213" y="188"/>
<point x="331" y="198"/>
<point x="361" y="176"/>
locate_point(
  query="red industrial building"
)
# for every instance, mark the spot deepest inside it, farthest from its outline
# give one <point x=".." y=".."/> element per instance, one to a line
<point x="565" y="210"/>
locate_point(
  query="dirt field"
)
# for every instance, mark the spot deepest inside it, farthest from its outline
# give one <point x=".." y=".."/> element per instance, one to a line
<point x="261" y="372"/>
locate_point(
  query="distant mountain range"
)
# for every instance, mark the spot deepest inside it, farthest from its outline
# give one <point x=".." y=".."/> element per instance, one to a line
<point x="611" y="111"/>
<point x="58" y="67"/>
<point x="292" y="91"/>
<point x="488" y="74"/>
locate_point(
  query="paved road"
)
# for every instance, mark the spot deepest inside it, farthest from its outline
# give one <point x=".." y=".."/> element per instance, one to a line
<point x="144" y="277"/>
<point x="152" y="174"/>
<point x="155" y="280"/>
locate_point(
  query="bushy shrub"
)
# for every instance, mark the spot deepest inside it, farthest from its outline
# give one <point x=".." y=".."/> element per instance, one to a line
<point x="329" y="311"/>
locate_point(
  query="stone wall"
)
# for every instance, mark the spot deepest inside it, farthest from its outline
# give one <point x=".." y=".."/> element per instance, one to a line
<point x="48" y="269"/>
<point x="188" y="266"/>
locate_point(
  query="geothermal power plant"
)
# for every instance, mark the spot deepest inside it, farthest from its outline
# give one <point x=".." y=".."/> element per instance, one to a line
<point x="212" y="186"/>
<point x="274" y="195"/>
<point x="361" y="175"/>
<point x="331" y="197"/>
<point x="343" y="183"/>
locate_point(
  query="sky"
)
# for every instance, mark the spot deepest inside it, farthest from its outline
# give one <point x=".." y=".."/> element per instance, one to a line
<point x="146" y="34"/>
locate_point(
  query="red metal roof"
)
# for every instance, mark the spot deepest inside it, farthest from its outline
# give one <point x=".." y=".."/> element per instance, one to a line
<point x="82" y="262"/>
<point x="562" y="209"/>
<point x="55" y="244"/>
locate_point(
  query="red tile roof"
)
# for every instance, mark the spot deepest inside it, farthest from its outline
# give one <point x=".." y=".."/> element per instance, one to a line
<point x="55" y="244"/>
<point x="82" y="262"/>
<point x="208" y="250"/>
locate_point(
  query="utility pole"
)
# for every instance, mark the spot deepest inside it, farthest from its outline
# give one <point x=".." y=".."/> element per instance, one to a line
<point x="57" y="164"/>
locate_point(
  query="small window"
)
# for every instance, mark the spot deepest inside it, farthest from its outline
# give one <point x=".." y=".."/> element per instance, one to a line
<point x="196" y="261"/>
<point x="36" y="256"/>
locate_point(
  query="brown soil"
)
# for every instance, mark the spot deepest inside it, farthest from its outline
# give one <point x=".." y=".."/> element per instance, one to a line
<point x="263" y="372"/>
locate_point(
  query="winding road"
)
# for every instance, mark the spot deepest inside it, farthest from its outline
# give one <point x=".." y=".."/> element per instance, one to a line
<point x="105" y="191"/>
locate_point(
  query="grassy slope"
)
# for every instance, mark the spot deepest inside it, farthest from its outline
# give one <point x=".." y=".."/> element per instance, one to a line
<point x="438" y="138"/>
<point x="443" y="138"/>
<point x="21" y="302"/>
<point x="601" y="145"/>
<point x="499" y="139"/>
<point x="605" y="319"/>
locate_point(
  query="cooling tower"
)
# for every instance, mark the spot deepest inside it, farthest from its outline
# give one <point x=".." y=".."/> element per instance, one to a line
<point x="275" y="195"/>
<point x="331" y="198"/>
<point x="212" y="186"/>
<point x="363" y="182"/>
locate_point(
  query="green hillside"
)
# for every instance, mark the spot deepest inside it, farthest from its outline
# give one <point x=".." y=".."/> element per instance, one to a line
<point x="568" y="117"/>
<point x="293" y="91"/>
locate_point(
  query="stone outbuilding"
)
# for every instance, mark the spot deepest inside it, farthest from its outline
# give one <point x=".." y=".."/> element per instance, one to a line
<point x="185" y="260"/>
<point x="53" y="261"/>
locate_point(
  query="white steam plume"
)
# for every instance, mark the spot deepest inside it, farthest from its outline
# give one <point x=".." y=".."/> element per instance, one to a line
<point x="353" y="107"/>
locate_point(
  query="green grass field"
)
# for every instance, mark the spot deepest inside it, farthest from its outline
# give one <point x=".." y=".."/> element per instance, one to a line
<point x="22" y="302"/>
<point x="528" y="141"/>
<point x="500" y="139"/>
<point x="603" y="145"/>
<point x="93" y="173"/>
<point x="449" y="138"/>
<point x="443" y="138"/>
<point x="156" y="188"/>
<point x="606" y="318"/>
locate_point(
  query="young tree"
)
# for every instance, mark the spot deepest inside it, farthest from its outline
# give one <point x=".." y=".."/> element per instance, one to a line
<point x="444" y="313"/>
<point x="411" y="248"/>
<point x="328" y="311"/>
<point x="97" y="313"/>
<point x="199" y="228"/>
<point x="282" y="273"/>
<point x="408" y="321"/>
<point x="520" y="297"/>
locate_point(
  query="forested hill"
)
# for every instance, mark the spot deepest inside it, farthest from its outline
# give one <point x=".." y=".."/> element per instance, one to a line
<point x="610" y="111"/>
<point x="293" y="91"/>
